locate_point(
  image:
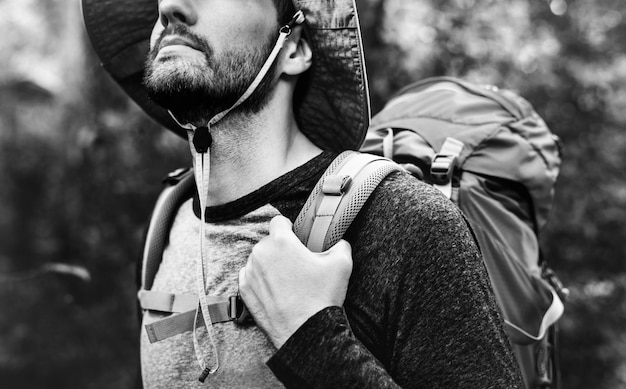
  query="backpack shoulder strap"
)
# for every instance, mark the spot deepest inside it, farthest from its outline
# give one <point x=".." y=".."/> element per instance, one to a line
<point x="179" y="187"/>
<point x="328" y="212"/>
<point x="338" y="197"/>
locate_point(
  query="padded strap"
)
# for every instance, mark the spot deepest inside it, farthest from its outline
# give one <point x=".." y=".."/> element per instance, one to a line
<point x="343" y="192"/>
<point x="303" y="223"/>
<point x="167" y="302"/>
<point x="162" y="216"/>
<point x="184" y="306"/>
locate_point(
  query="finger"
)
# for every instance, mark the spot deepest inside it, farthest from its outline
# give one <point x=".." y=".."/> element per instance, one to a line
<point x="339" y="257"/>
<point x="282" y="235"/>
<point x="252" y="280"/>
<point x="247" y="285"/>
<point x="247" y="292"/>
<point x="342" y="247"/>
<point x="243" y="286"/>
<point x="252" y="271"/>
<point x="280" y="224"/>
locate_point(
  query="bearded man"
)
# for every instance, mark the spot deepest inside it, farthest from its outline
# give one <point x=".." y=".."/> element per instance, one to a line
<point x="268" y="94"/>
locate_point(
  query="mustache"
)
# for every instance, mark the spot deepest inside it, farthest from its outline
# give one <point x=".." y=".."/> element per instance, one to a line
<point x="180" y="30"/>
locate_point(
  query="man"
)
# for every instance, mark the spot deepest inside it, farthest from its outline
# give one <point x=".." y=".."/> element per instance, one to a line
<point x="404" y="301"/>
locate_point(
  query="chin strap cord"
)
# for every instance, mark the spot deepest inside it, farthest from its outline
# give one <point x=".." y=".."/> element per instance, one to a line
<point x="200" y="141"/>
<point x="284" y="32"/>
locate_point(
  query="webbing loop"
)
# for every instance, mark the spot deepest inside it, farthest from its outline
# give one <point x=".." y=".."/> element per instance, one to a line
<point x="443" y="165"/>
<point x="221" y="310"/>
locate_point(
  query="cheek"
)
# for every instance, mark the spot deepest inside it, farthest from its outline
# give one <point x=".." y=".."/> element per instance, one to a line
<point x="253" y="35"/>
<point x="156" y="32"/>
<point x="251" y="26"/>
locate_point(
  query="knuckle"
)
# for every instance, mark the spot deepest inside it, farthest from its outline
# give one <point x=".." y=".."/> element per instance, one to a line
<point x="341" y="251"/>
<point x="280" y="222"/>
<point x="344" y="259"/>
<point x="244" y="291"/>
<point x="346" y="247"/>
<point x="259" y="250"/>
<point x="243" y="280"/>
<point x="282" y="240"/>
<point x="345" y="265"/>
<point x="348" y="267"/>
<point x="276" y="220"/>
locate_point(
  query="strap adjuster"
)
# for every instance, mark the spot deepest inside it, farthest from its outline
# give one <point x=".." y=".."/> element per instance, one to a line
<point x="176" y="176"/>
<point x="336" y="185"/>
<point x="442" y="168"/>
<point x="237" y="310"/>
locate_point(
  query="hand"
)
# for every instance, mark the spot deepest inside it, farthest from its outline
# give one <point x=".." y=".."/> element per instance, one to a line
<point x="283" y="283"/>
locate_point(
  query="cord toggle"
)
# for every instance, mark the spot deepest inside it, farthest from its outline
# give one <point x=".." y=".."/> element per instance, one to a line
<point x="202" y="139"/>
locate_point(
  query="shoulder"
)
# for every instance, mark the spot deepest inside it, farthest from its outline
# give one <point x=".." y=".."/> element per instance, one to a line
<point x="401" y="187"/>
<point x="408" y="225"/>
<point x="404" y="203"/>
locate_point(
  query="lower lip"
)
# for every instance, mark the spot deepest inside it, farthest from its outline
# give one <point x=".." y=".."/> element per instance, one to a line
<point x="175" y="48"/>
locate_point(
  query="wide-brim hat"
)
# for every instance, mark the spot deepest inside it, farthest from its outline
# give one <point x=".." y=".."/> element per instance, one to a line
<point x="335" y="110"/>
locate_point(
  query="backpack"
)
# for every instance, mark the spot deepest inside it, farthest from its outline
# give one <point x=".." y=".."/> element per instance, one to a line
<point x="489" y="152"/>
<point x="485" y="149"/>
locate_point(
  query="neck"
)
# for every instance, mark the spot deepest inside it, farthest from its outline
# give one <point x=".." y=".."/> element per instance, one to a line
<point x="249" y="151"/>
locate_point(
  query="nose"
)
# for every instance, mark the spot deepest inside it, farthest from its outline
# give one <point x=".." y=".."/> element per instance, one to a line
<point x="177" y="12"/>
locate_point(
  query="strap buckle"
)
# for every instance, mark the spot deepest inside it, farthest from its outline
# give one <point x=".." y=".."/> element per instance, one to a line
<point x="237" y="310"/>
<point x="442" y="168"/>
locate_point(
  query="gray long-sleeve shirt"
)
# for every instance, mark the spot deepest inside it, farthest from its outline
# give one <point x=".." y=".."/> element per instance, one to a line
<point x="419" y="311"/>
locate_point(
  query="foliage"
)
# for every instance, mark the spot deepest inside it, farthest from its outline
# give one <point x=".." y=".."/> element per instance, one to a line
<point x="81" y="168"/>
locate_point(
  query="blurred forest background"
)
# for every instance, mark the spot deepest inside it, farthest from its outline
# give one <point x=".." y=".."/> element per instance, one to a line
<point x="81" y="167"/>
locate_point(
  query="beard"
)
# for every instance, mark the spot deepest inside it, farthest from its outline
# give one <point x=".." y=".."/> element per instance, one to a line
<point x="195" y="91"/>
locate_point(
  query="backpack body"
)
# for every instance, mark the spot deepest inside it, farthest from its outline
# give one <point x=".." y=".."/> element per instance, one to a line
<point x="489" y="152"/>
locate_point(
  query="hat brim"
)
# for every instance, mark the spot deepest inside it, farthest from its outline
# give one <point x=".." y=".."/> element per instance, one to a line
<point x="335" y="109"/>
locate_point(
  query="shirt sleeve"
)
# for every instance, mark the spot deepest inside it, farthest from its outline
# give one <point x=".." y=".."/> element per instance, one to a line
<point x="419" y="313"/>
<point x="324" y="353"/>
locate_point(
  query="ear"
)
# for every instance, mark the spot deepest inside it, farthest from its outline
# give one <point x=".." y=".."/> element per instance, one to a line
<point x="297" y="55"/>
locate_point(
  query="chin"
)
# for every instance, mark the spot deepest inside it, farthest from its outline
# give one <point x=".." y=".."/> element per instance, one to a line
<point x="171" y="74"/>
<point x="169" y="86"/>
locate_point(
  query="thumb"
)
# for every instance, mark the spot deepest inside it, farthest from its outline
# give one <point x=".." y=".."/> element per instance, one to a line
<point x="339" y="256"/>
<point x="280" y="224"/>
